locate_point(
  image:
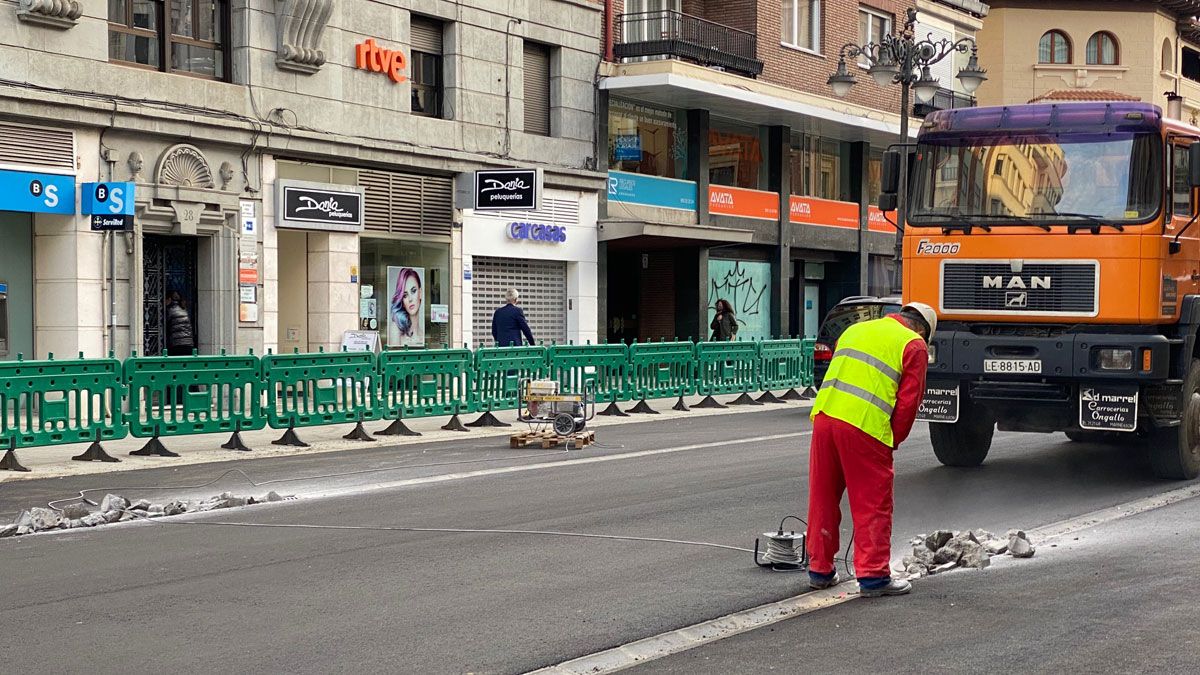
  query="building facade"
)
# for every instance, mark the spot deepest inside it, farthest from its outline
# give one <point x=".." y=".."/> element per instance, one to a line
<point x="1077" y="50"/>
<point x="734" y="172"/>
<point x="298" y="168"/>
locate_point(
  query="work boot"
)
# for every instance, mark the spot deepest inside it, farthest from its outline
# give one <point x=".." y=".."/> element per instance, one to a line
<point x="892" y="587"/>
<point x="819" y="582"/>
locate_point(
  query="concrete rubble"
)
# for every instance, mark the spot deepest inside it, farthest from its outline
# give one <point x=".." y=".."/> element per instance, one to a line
<point x="115" y="508"/>
<point x="944" y="550"/>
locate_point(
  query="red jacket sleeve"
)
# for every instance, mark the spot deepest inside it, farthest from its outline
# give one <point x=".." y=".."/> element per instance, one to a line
<point x="912" y="390"/>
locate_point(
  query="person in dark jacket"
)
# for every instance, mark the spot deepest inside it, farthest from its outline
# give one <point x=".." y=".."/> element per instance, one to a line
<point x="509" y="324"/>
<point x="181" y="337"/>
<point x="724" y="324"/>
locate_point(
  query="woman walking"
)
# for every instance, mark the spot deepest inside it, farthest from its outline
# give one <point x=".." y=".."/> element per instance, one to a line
<point x="724" y="324"/>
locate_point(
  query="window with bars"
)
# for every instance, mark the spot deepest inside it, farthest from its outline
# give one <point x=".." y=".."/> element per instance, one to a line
<point x="537" y="89"/>
<point x="426" y="66"/>
<point x="177" y="36"/>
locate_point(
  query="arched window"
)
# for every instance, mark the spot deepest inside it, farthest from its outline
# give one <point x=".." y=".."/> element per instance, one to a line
<point x="1054" y="48"/>
<point x="1102" y="50"/>
<point x="1168" y="56"/>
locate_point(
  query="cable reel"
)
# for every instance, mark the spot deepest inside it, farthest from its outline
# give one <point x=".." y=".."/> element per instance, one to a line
<point x="786" y="551"/>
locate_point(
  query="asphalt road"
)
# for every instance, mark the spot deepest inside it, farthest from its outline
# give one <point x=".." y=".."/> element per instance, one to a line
<point x="187" y="594"/>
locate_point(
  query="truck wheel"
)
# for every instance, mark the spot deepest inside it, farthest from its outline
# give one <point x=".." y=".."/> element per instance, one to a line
<point x="967" y="441"/>
<point x="1175" y="452"/>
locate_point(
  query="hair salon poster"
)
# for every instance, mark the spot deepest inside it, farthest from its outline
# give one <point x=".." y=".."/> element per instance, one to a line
<point x="406" y="306"/>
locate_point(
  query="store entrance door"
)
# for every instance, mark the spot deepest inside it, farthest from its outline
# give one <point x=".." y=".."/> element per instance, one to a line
<point x="168" y="264"/>
<point x="812" y="309"/>
<point x="16" y="286"/>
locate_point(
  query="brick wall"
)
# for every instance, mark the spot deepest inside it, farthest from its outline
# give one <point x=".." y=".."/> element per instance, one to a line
<point x="797" y="69"/>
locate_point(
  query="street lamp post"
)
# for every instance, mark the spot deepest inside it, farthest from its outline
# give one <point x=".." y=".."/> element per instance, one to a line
<point x="905" y="60"/>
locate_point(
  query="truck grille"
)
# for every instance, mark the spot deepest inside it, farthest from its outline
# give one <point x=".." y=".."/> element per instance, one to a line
<point x="1039" y="288"/>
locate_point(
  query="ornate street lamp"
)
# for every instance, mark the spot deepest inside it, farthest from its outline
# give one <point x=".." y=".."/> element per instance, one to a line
<point x="905" y="60"/>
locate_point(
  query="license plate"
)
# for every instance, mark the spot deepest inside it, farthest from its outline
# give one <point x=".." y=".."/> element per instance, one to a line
<point x="1014" y="366"/>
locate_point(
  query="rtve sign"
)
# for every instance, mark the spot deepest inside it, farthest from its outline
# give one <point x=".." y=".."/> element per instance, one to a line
<point x="372" y="57"/>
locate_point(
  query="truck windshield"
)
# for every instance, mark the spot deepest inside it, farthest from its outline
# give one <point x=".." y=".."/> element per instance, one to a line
<point x="1045" y="179"/>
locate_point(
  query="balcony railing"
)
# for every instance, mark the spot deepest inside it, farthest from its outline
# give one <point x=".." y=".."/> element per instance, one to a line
<point x="682" y="36"/>
<point x="944" y="99"/>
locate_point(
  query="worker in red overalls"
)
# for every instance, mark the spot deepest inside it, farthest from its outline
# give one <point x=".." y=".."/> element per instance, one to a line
<point x="865" y="409"/>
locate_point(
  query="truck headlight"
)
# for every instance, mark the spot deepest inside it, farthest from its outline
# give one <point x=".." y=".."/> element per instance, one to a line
<point x="1115" y="359"/>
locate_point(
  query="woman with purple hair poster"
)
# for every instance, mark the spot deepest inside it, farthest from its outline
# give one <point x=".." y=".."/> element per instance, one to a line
<point x="406" y="311"/>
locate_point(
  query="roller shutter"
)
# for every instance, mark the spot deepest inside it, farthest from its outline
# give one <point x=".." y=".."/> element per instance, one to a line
<point x="426" y="35"/>
<point x="543" y="288"/>
<point x="537" y="89"/>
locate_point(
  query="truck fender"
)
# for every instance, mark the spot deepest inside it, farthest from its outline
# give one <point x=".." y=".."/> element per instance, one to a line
<point x="1189" y="322"/>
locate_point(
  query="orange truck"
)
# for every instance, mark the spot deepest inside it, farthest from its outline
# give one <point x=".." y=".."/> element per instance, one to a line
<point x="1055" y="242"/>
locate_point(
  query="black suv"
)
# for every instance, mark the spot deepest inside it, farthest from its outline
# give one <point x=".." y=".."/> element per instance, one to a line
<point x="846" y="313"/>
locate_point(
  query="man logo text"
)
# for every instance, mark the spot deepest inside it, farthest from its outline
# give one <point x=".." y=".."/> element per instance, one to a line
<point x="1016" y="282"/>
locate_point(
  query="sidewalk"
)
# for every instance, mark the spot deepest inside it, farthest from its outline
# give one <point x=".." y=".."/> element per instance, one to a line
<point x="55" y="461"/>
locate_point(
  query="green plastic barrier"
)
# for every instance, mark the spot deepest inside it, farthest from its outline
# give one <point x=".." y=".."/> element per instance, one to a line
<point x="782" y="364"/>
<point x="178" y="395"/>
<point x="726" y="367"/>
<point x="425" y="382"/>
<point x="604" y="367"/>
<point x="498" y="372"/>
<point x="55" y="402"/>
<point x="662" y="370"/>
<point x="808" y="366"/>
<point x="316" y="389"/>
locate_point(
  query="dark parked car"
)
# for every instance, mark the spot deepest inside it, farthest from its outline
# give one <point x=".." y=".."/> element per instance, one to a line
<point x="846" y="313"/>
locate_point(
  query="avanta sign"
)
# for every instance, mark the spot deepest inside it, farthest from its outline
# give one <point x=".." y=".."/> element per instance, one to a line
<point x="370" y="56"/>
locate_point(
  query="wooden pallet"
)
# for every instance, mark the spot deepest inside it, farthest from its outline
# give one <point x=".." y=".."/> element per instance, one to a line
<point x="549" y="439"/>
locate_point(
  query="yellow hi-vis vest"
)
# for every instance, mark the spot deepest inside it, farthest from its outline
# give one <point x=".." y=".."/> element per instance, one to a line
<point x="862" y="381"/>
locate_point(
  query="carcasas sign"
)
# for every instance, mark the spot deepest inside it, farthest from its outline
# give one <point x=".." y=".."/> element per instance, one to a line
<point x="372" y="57"/>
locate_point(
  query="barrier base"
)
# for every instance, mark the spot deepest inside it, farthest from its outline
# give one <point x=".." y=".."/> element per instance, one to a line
<point x="768" y="397"/>
<point x="792" y="395"/>
<point x="642" y="408"/>
<point x="235" y="443"/>
<point x="154" y="448"/>
<point x="10" y="463"/>
<point x="613" y="410"/>
<point x="744" y="399"/>
<point x="95" y="453"/>
<point x="397" y="428"/>
<point x="290" y="438"/>
<point x="809" y="392"/>
<point x="681" y="406"/>
<point x="487" y="419"/>
<point x="710" y="402"/>
<point x="454" y="424"/>
<point x="358" y="434"/>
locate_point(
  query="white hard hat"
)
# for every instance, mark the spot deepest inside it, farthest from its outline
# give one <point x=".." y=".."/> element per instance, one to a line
<point x="926" y="313"/>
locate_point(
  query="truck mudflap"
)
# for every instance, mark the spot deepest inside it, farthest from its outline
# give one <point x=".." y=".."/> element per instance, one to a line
<point x="1019" y="406"/>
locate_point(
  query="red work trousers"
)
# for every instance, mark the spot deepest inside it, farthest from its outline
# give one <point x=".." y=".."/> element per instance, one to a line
<point x="843" y="458"/>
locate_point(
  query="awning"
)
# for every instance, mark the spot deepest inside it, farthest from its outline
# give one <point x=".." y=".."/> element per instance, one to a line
<point x="612" y="230"/>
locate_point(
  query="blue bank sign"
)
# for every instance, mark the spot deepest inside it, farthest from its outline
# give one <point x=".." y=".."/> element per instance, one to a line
<point x="111" y="205"/>
<point x="634" y="188"/>
<point x="36" y="192"/>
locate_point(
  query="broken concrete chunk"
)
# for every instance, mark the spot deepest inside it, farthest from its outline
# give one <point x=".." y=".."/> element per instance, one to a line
<point x="995" y="546"/>
<point x="113" y="503"/>
<point x="24" y="520"/>
<point x="44" y="519"/>
<point x="938" y="539"/>
<point x="1020" y="548"/>
<point x="923" y="555"/>
<point x="974" y="556"/>
<point x="112" y="516"/>
<point x="942" y="568"/>
<point x="140" y="505"/>
<point x="175" y="508"/>
<point x="24" y="529"/>
<point x="93" y="519"/>
<point x="8" y="531"/>
<point x="75" y="511"/>
<point x="951" y="552"/>
<point x="233" y="500"/>
<point x="273" y="496"/>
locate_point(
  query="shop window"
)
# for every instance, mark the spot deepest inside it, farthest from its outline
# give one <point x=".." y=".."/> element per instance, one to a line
<point x="735" y="157"/>
<point x="404" y="291"/>
<point x="1054" y="48"/>
<point x="647" y="140"/>
<point x="178" y="36"/>
<point x="537" y="89"/>
<point x="817" y="167"/>
<point x="1102" y="50"/>
<point x="873" y="25"/>
<point x="426" y="66"/>
<point x="800" y="24"/>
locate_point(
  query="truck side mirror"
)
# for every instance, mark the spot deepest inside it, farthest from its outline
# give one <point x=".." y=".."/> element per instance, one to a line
<point x="1194" y="164"/>
<point x="890" y="178"/>
<point x="888" y="201"/>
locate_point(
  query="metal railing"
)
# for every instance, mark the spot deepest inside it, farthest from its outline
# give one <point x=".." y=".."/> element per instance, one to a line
<point x="683" y="36"/>
<point x="944" y="99"/>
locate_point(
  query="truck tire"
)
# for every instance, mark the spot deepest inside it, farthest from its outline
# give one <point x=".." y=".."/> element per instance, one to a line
<point x="1175" y="452"/>
<point x="967" y="441"/>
